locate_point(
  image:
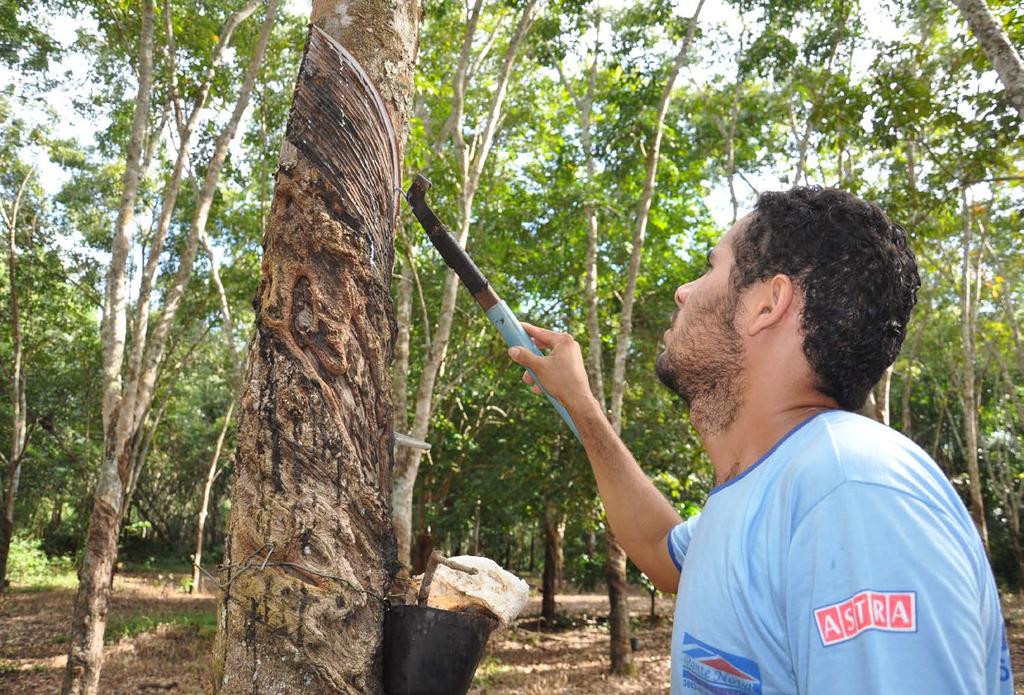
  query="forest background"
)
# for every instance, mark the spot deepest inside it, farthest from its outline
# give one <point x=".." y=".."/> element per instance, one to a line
<point x="588" y="154"/>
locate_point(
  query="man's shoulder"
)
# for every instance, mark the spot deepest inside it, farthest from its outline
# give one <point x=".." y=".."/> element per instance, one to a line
<point x="846" y="449"/>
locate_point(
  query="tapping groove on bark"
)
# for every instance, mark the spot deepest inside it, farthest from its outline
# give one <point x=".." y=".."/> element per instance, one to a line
<point x="310" y="550"/>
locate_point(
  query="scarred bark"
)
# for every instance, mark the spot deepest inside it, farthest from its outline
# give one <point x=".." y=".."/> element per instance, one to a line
<point x="996" y="44"/>
<point x="310" y="552"/>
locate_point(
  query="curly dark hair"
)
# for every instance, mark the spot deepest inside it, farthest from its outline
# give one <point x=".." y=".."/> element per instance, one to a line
<point x="856" y="271"/>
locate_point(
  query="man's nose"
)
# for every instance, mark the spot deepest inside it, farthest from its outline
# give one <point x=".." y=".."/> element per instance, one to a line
<point x="682" y="292"/>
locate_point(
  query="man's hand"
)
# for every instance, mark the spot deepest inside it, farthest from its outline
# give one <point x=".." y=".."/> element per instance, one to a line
<point x="639" y="515"/>
<point x="561" y="371"/>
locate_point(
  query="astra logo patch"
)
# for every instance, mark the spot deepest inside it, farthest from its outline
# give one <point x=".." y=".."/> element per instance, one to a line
<point x="888" y="611"/>
<point x="707" y="669"/>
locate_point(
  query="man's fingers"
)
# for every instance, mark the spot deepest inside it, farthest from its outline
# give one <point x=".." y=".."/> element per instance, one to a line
<point x="542" y="337"/>
<point x="527" y="377"/>
<point x="524" y="357"/>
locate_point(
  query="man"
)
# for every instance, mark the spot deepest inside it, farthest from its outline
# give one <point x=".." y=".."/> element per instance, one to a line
<point x="832" y="556"/>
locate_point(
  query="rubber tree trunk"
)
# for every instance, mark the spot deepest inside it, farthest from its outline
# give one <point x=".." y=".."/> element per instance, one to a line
<point x="615" y="569"/>
<point x="19" y="433"/>
<point x="238" y="371"/>
<point x="554" y="532"/>
<point x="968" y="399"/>
<point x="204" y="506"/>
<point x="471" y="161"/>
<point x="311" y="552"/>
<point x="127" y="402"/>
<point x="424" y="547"/>
<point x="876" y="406"/>
<point x="996" y="44"/>
<point x="85" y="640"/>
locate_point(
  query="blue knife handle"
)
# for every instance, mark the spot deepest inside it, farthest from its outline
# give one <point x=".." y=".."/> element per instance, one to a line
<point x="515" y="336"/>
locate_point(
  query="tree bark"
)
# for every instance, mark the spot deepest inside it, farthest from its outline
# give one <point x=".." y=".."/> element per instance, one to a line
<point x="115" y="295"/>
<point x="472" y="158"/>
<point x="125" y="406"/>
<point x="968" y="314"/>
<point x="403" y="316"/>
<point x="618" y="619"/>
<point x="996" y="44"/>
<point x="140" y="324"/>
<point x="906" y="414"/>
<point x="19" y="431"/>
<point x="211" y="476"/>
<point x="424" y="547"/>
<point x="554" y="532"/>
<point x="618" y="615"/>
<point x="310" y="552"/>
<point x="585" y="106"/>
<point x="876" y="406"/>
<point x="85" y="655"/>
<point x="238" y="371"/>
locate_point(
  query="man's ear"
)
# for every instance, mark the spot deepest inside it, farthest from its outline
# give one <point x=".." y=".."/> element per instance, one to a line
<point x="770" y="302"/>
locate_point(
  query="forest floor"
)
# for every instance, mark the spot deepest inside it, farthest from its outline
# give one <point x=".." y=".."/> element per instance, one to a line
<point x="159" y="640"/>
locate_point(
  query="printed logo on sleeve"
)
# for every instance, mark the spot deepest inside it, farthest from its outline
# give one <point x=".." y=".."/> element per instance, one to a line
<point x="888" y="611"/>
<point x="711" y="670"/>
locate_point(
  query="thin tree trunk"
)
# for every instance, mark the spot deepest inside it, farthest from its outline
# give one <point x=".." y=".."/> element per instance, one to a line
<point x="310" y="553"/>
<point x="996" y="44"/>
<point x="472" y="158"/>
<point x="554" y="532"/>
<point x="1014" y="515"/>
<point x="876" y="406"/>
<point x="618" y="619"/>
<point x="476" y="529"/>
<point x="906" y="415"/>
<point x="140" y="323"/>
<point x="211" y="476"/>
<point x="85" y="655"/>
<point x="968" y="314"/>
<point x="585" y="106"/>
<point x="19" y="438"/>
<point x="424" y="547"/>
<point x="882" y="390"/>
<point x="618" y="600"/>
<point x="640" y="230"/>
<point x="139" y="452"/>
<point x="403" y="317"/>
<point x="116" y="293"/>
<point x="124" y="410"/>
<point x="804" y="139"/>
<point x="213" y="472"/>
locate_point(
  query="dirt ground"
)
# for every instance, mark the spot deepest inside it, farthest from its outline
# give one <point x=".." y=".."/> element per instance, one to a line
<point x="566" y="659"/>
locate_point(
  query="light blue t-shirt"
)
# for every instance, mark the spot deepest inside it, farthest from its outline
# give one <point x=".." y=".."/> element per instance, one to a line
<point x="841" y="562"/>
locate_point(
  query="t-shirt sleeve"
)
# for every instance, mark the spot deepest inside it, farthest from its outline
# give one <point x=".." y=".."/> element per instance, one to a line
<point x="679" y="540"/>
<point x="887" y="594"/>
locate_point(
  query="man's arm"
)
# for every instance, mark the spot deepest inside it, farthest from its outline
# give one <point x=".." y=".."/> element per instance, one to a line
<point x="640" y="516"/>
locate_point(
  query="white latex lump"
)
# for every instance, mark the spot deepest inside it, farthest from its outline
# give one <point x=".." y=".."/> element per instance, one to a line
<point x="492" y="590"/>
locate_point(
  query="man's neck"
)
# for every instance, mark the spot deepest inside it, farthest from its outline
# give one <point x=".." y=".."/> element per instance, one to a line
<point x="755" y="430"/>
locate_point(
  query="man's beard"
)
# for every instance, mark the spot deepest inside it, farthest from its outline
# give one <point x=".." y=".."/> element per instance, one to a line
<point x="705" y="366"/>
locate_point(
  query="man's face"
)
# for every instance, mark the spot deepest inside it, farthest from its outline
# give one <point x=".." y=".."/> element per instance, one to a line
<point x="703" y="357"/>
